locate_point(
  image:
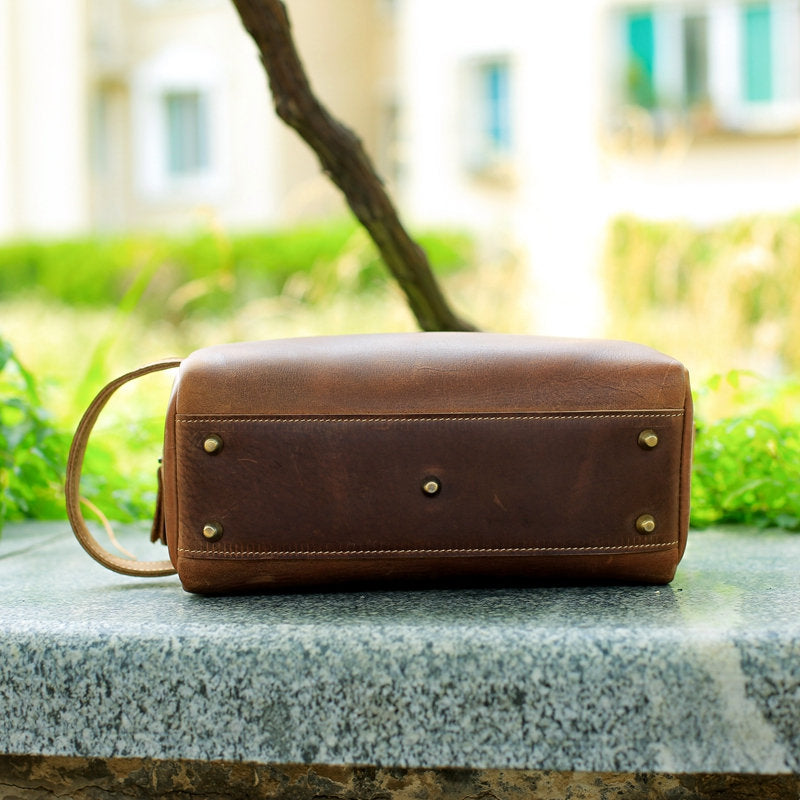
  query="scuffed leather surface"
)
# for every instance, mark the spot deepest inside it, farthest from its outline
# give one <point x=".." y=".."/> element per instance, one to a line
<point x="428" y="373"/>
<point x="351" y="486"/>
<point x="327" y="442"/>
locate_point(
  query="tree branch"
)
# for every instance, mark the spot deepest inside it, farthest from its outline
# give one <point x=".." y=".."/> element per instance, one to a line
<point x="346" y="163"/>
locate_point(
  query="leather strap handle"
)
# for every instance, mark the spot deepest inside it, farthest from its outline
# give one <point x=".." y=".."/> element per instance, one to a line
<point x="125" y="566"/>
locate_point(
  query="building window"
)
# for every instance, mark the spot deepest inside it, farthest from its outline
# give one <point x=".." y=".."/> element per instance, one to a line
<point x="187" y="139"/>
<point x="487" y="131"/>
<point x="495" y="85"/>
<point x="180" y="135"/>
<point x="757" y="53"/>
<point x="712" y="65"/>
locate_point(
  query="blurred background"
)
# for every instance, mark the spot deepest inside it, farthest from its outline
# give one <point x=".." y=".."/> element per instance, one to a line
<point x="581" y="168"/>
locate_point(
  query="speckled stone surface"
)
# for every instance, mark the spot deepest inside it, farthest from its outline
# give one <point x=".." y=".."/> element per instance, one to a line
<point x="700" y="676"/>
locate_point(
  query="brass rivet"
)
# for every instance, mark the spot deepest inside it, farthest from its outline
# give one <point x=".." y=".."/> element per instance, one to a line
<point x="648" y="439"/>
<point x="431" y="486"/>
<point x="646" y="523"/>
<point x="212" y="531"/>
<point x="212" y="444"/>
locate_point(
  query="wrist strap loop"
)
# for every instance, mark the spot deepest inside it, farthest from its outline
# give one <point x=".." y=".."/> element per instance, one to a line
<point x="125" y="566"/>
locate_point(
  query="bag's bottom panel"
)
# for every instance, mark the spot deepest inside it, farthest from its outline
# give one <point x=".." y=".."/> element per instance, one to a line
<point x="479" y="485"/>
<point x="206" y="576"/>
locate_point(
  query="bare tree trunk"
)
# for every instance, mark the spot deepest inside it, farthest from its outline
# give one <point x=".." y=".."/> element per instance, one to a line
<point x="344" y="160"/>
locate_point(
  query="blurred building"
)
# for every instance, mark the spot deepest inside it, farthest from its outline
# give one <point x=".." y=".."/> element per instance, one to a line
<point x="545" y="120"/>
<point x="531" y="122"/>
<point x="156" y="113"/>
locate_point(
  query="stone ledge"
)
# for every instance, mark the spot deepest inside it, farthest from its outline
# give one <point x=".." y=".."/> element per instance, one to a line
<point x="699" y="677"/>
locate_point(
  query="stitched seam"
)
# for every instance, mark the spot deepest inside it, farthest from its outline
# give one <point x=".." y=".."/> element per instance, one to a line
<point x="445" y="418"/>
<point x="682" y="484"/>
<point x="234" y="554"/>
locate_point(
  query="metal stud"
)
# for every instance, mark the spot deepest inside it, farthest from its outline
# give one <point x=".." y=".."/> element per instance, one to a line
<point x="431" y="486"/>
<point x="646" y="523"/>
<point x="212" y="444"/>
<point x="212" y="531"/>
<point x="648" y="439"/>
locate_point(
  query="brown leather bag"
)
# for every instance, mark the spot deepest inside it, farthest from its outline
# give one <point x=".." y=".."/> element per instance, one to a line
<point x="408" y="458"/>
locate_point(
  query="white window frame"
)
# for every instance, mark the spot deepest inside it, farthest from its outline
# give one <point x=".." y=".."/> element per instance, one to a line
<point x="483" y="157"/>
<point x="726" y="92"/>
<point x="178" y="70"/>
<point x="782" y="112"/>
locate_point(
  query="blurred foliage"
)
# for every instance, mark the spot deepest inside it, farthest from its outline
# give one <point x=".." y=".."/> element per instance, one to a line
<point x="32" y="451"/>
<point x="119" y="473"/>
<point x="747" y="466"/>
<point x="33" y="456"/>
<point x="210" y="272"/>
<point x="733" y="287"/>
<point x="665" y="280"/>
<point x="726" y="294"/>
<point x="120" y="289"/>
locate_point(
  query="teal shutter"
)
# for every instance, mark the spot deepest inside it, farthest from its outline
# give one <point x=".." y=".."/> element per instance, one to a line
<point x="641" y="58"/>
<point x="757" y="53"/>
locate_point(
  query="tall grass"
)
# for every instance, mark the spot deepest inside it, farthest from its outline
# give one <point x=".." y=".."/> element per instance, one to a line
<point x="728" y="296"/>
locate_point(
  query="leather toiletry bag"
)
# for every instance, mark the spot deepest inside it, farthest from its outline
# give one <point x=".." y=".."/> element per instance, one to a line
<point x="420" y="458"/>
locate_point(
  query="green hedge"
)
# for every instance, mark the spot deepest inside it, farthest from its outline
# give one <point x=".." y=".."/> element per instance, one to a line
<point x="176" y="274"/>
<point x="747" y="465"/>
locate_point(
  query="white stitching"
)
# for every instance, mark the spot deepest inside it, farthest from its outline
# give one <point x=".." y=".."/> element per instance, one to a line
<point x="235" y="554"/>
<point x="443" y="418"/>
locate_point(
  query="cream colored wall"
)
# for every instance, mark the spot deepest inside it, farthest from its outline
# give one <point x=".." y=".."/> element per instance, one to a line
<point x="8" y="177"/>
<point x="530" y="203"/>
<point x="270" y="176"/>
<point x="705" y="181"/>
<point x="339" y="46"/>
<point x="43" y="126"/>
<point x="244" y="196"/>
<point x="53" y="178"/>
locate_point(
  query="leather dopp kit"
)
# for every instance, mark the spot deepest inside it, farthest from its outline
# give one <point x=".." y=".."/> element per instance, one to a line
<point x="421" y="458"/>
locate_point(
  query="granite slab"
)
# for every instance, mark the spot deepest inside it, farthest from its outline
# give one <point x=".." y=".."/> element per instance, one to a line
<point x="699" y="676"/>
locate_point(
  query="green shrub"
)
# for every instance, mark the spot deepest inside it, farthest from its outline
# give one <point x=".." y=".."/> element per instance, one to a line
<point x="747" y="465"/>
<point x="747" y="450"/>
<point x="33" y="456"/>
<point x="153" y="277"/>
<point x="32" y="452"/>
